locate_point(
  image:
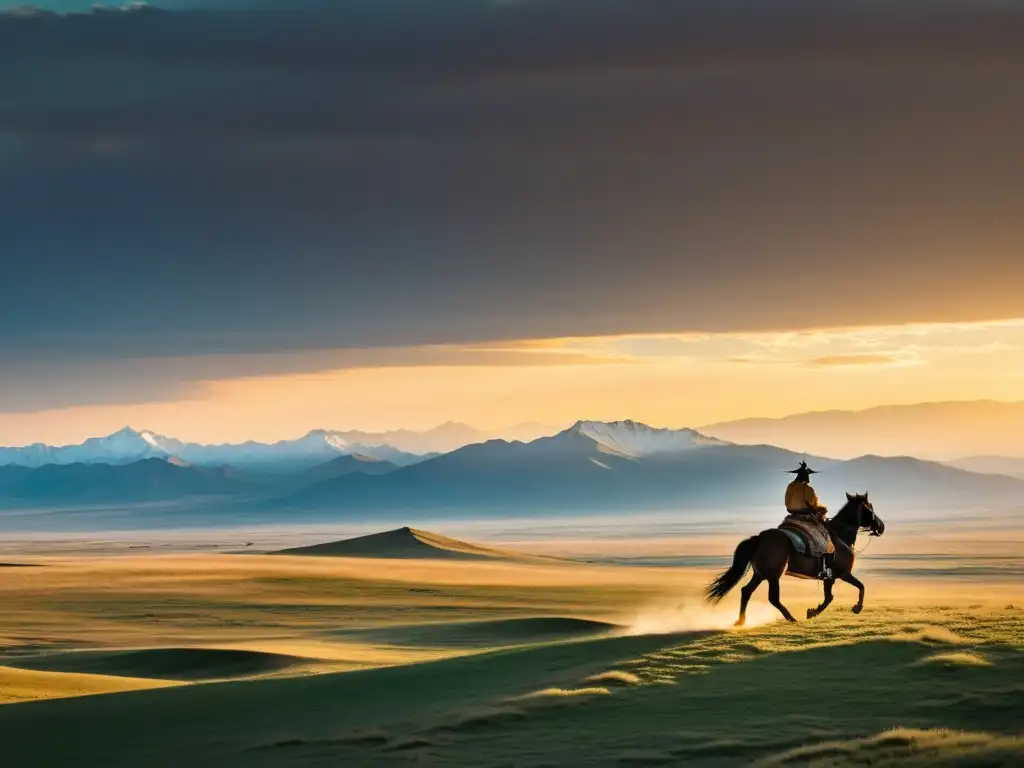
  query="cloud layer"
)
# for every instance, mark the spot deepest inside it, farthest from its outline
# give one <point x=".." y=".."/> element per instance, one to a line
<point x="217" y="181"/>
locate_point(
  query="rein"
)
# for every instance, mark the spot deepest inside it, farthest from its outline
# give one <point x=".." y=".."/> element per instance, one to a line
<point x="865" y="547"/>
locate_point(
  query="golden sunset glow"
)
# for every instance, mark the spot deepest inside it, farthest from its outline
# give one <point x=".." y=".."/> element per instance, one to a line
<point x="663" y="379"/>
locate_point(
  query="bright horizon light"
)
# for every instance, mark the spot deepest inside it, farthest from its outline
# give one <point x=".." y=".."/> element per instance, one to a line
<point x="666" y="380"/>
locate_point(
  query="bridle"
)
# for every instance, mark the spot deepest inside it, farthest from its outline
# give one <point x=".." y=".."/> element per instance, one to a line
<point x="872" y="531"/>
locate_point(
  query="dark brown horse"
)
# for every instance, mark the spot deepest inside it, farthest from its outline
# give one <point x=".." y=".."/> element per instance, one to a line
<point x="772" y="555"/>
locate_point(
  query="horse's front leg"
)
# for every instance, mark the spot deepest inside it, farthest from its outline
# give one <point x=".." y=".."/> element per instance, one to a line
<point x="812" y="612"/>
<point x="853" y="580"/>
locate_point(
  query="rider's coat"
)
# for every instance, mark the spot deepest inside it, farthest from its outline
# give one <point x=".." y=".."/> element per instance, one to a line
<point x="801" y="497"/>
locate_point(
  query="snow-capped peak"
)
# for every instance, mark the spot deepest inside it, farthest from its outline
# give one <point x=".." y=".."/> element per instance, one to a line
<point x="327" y="439"/>
<point x="633" y="438"/>
<point x="128" y="445"/>
<point x="150" y="438"/>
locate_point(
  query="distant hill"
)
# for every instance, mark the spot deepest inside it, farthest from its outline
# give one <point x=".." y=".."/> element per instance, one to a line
<point x="991" y="465"/>
<point x="907" y="478"/>
<point x="141" y="481"/>
<point x="407" y="543"/>
<point x="622" y="466"/>
<point x="936" y="431"/>
<point x="346" y="465"/>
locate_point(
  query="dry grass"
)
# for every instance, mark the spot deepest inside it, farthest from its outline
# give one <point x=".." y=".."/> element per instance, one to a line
<point x="317" y="609"/>
<point x="909" y="748"/>
<point x="19" y="685"/>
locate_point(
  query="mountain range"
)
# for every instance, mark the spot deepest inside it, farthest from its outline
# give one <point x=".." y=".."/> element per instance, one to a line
<point x="399" y="447"/>
<point x="283" y="457"/>
<point x="945" y="431"/>
<point x="592" y="466"/>
<point x="985" y="436"/>
<point x="597" y="466"/>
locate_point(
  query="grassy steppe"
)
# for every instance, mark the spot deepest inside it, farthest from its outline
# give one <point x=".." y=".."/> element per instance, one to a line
<point x="462" y="663"/>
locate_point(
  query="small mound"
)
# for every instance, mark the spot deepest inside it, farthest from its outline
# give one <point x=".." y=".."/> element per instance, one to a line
<point x="614" y="677"/>
<point x="181" y="664"/>
<point x="929" y="635"/>
<point x="485" y="634"/>
<point x="562" y="693"/>
<point x="908" y="747"/>
<point x="409" y="543"/>
<point x="953" y="660"/>
<point x="20" y="685"/>
<point x="485" y="717"/>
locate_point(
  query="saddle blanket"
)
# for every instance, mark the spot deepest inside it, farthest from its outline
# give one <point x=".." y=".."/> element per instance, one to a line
<point x="808" y="537"/>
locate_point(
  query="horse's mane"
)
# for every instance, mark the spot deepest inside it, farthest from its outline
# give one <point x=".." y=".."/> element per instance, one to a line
<point x="846" y="516"/>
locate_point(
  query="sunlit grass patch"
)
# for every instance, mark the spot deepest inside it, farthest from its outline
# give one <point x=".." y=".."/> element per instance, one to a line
<point x="20" y="685"/>
<point x="983" y="638"/>
<point x="615" y="677"/>
<point x="930" y="635"/>
<point x="563" y="693"/>
<point x="953" y="660"/>
<point x="908" y="747"/>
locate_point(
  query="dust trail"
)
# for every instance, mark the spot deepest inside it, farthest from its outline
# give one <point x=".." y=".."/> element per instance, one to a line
<point x="690" y="617"/>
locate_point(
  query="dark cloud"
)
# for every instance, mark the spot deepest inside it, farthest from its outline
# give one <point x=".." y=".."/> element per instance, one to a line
<point x="220" y="181"/>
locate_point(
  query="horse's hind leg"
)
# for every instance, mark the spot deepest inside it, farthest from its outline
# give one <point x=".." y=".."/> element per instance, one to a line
<point x="812" y="612"/>
<point x="851" y="579"/>
<point x="773" y="598"/>
<point x="745" y="593"/>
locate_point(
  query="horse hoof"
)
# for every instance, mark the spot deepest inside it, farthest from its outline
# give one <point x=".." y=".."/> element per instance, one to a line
<point x="740" y="622"/>
<point x="858" y="608"/>
<point x="811" y="613"/>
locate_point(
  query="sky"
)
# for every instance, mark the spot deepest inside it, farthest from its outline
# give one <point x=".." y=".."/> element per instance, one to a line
<point x="231" y="220"/>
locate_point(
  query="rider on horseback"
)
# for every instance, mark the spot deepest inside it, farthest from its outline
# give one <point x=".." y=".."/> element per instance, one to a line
<point x="801" y="499"/>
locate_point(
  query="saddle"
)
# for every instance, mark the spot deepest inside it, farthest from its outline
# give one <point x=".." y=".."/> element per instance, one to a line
<point x="808" y="533"/>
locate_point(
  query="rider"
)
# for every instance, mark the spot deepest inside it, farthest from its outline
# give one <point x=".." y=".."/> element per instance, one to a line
<point x="801" y="499"/>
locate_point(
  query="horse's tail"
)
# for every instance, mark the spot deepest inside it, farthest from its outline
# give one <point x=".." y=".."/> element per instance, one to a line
<point x="729" y="578"/>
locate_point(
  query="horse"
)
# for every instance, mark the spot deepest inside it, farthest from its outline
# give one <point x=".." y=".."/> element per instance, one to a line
<point x="772" y="554"/>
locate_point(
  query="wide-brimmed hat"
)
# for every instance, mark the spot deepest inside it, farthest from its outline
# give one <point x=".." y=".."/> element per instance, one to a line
<point x="803" y="469"/>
